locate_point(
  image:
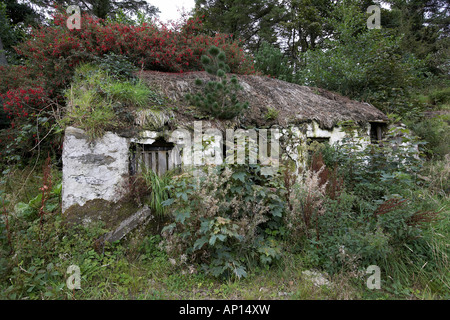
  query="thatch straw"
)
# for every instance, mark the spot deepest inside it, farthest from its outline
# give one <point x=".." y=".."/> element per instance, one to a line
<point x="295" y="104"/>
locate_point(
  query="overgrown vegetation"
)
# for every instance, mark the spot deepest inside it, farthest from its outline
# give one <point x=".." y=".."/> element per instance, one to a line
<point x="225" y="220"/>
<point x="157" y="189"/>
<point x="231" y="232"/>
<point x="233" y="227"/>
<point x="379" y="216"/>
<point x="105" y="96"/>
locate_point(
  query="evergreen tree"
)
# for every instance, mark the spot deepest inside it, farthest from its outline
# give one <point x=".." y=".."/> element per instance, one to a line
<point x="14" y="17"/>
<point x="425" y="26"/>
<point x="305" y="25"/>
<point x="361" y="63"/>
<point x="20" y="12"/>
<point x="271" y="61"/>
<point x="219" y="97"/>
<point x="102" y="8"/>
<point x="253" y="21"/>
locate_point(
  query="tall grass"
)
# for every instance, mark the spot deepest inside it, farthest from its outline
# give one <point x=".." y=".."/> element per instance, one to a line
<point x="134" y="94"/>
<point x="158" y="190"/>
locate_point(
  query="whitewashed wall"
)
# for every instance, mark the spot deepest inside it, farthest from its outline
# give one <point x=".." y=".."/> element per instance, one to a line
<point x="92" y="170"/>
<point x="97" y="170"/>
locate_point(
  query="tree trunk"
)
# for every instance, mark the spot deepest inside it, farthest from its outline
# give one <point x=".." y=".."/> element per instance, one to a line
<point x="3" y="61"/>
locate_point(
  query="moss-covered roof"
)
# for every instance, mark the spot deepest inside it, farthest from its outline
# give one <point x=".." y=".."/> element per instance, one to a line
<point x="292" y="103"/>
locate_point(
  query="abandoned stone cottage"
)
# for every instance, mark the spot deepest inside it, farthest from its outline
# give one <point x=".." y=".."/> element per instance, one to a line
<point x="293" y="115"/>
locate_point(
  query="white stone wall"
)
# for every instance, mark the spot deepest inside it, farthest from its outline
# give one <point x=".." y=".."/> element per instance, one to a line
<point x="97" y="170"/>
<point x="295" y="140"/>
<point x="337" y="134"/>
<point x="92" y="170"/>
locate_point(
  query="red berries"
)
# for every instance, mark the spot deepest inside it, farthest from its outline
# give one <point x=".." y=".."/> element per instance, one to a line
<point x="17" y="102"/>
<point x="163" y="48"/>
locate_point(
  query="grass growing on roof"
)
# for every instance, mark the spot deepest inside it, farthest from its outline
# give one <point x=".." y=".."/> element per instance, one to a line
<point x="97" y="101"/>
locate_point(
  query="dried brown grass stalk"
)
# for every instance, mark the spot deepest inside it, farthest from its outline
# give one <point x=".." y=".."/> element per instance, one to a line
<point x="422" y="217"/>
<point x="416" y="219"/>
<point x="307" y="203"/>
<point x="389" y="206"/>
<point x="289" y="181"/>
<point x="327" y="176"/>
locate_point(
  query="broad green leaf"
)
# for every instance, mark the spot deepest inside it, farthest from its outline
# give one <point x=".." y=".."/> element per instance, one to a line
<point x="167" y="202"/>
<point x="36" y="201"/>
<point x="181" y="216"/>
<point x="212" y="240"/>
<point x="199" y="243"/>
<point x="239" y="176"/>
<point x="57" y="189"/>
<point x="240" y="272"/>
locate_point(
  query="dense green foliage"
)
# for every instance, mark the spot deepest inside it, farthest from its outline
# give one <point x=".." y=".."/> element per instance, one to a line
<point x="367" y="66"/>
<point x="219" y="97"/>
<point x="248" y="20"/>
<point x="272" y="62"/>
<point x="225" y="220"/>
<point x="359" y="207"/>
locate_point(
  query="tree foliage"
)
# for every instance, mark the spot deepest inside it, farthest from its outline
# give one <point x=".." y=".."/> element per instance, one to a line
<point x="272" y="62"/>
<point x="305" y="25"/>
<point x="425" y="26"/>
<point x="252" y="21"/>
<point x="361" y="63"/>
<point x="14" y="17"/>
<point x="219" y="97"/>
<point x="101" y="8"/>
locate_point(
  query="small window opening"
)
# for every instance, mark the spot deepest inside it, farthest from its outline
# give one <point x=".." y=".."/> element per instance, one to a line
<point x="157" y="156"/>
<point x="318" y="140"/>
<point x="377" y="130"/>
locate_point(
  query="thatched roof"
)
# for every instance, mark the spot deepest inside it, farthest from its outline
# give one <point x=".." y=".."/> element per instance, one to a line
<point x="294" y="103"/>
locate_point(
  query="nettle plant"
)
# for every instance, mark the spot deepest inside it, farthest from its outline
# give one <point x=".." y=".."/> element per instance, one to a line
<point x="219" y="97"/>
<point x="226" y="220"/>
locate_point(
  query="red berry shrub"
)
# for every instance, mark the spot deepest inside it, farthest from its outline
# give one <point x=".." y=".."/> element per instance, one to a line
<point x="55" y="50"/>
<point x="20" y="103"/>
<point x="14" y="77"/>
<point x="29" y="120"/>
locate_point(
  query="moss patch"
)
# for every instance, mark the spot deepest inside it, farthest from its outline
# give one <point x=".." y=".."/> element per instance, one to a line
<point x="110" y="213"/>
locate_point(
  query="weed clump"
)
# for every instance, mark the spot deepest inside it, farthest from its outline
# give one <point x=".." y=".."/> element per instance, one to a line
<point x="98" y="101"/>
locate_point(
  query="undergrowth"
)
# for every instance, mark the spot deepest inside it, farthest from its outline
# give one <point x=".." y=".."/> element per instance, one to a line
<point x="235" y="234"/>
